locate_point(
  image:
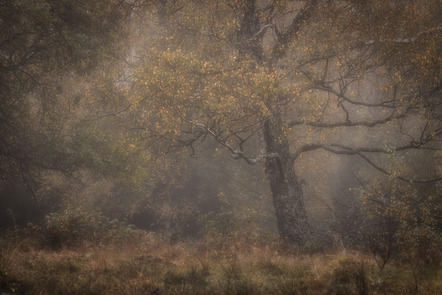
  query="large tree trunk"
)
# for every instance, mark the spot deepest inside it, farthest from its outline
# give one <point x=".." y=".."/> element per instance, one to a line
<point x="287" y="193"/>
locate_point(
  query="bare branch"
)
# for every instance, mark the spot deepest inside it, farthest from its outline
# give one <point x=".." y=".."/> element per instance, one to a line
<point x="341" y="94"/>
<point x="108" y="115"/>
<point x="237" y="154"/>
<point x="346" y="150"/>
<point x="348" y="122"/>
<point x="377" y="167"/>
<point x="406" y="40"/>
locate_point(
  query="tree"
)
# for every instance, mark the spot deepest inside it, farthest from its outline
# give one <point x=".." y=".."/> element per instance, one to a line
<point x="271" y="80"/>
<point x="47" y="51"/>
<point x="41" y="44"/>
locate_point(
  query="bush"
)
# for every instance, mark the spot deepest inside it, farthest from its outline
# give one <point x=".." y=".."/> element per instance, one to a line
<point x="72" y="227"/>
<point x="403" y="224"/>
<point x="423" y="247"/>
<point x="219" y="225"/>
<point x="348" y="277"/>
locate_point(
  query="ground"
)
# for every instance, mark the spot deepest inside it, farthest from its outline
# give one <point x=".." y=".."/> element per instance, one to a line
<point x="150" y="264"/>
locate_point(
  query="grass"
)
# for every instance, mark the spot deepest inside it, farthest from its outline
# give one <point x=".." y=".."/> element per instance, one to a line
<point x="151" y="265"/>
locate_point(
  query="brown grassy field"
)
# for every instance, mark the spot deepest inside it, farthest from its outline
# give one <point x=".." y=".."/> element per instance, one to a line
<point x="151" y="265"/>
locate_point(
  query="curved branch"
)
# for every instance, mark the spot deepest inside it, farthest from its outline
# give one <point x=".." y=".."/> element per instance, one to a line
<point x="346" y="150"/>
<point x="348" y="123"/>
<point x="385" y="104"/>
<point x="236" y="153"/>
<point x="368" y="160"/>
<point x="406" y="40"/>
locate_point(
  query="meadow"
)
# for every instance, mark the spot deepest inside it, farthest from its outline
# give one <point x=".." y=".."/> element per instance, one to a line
<point x="137" y="262"/>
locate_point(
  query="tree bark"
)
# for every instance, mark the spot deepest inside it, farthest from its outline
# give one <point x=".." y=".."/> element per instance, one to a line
<point x="287" y="194"/>
<point x="286" y="190"/>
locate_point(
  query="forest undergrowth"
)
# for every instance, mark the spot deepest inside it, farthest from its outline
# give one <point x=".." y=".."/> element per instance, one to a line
<point x="130" y="261"/>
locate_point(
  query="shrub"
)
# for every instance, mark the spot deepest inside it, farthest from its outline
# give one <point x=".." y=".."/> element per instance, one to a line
<point x="423" y="247"/>
<point x="403" y="224"/>
<point x="348" y="277"/>
<point x="72" y="227"/>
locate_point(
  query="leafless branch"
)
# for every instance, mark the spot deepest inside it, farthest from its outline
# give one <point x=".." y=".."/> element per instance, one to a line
<point x="348" y="122"/>
<point x="346" y="150"/>
<point x="237" y="153"/>
<point x="406" y="40"/>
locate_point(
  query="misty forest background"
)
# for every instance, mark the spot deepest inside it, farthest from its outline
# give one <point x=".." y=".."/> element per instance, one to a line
<point x="280" y="131"/>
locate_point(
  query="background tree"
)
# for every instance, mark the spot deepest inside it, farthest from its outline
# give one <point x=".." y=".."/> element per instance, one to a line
<point x="45" y="47"/>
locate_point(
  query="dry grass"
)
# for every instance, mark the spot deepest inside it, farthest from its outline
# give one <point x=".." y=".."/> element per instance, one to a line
<point x="153" y="266"/>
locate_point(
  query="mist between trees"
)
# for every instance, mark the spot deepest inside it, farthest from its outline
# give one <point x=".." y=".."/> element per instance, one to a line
<point x="313" y="123"/>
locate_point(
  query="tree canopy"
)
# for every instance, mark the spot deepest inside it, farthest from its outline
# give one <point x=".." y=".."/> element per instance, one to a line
<point x="272" y="80"/>
<point x="42" y="43"/>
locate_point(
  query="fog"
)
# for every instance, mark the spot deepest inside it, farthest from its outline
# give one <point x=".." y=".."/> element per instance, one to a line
<point x="209" y="146"/>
